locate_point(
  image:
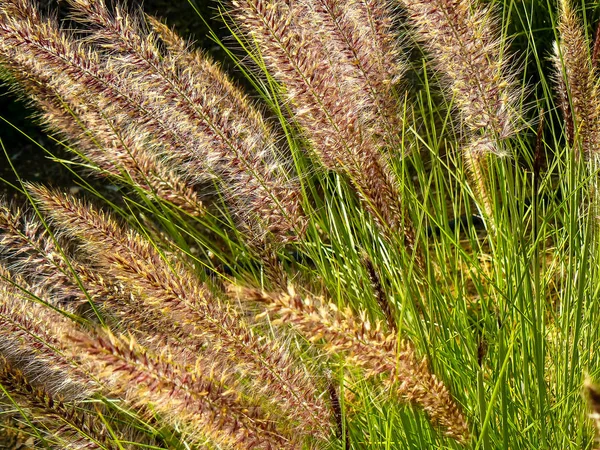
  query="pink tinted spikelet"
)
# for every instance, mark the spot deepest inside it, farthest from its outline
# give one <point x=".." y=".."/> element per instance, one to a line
<point x="360" y="35"/>
<point x="201" y="405"/>
<point x="30" y="250"/>
<point x="83" y="102"/>
<point x="169" y="288"/>
<point x="31" y="341"/>
<point x="464" y="42"/>
<point x="577" y="84"/>
<point x="465" y="45"/>
<point x="69" y="425"/>
<point x="27" y="248"/>
<point x="327" y="103"/>
<point x="220" y="133"/>
<point x="367" y="346"/>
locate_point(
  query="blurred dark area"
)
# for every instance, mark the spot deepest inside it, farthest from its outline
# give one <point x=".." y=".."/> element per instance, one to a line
<point x="24" y="139"/>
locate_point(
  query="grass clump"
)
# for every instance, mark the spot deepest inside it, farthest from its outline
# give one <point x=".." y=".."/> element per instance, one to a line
<point x="383" y="241"/>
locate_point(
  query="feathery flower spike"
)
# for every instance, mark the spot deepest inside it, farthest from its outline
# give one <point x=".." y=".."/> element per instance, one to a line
<point x="82" y="101"/>
<point x="220" y="133"/>
<point x="70" y="425"/>
<point x="30" y="250"/>
<point x="30" y="333"/>
<point x="169" y="288"/>
<point x="464" y="43"/>
<point x="368" y="347"/>
<point x="327" y="103"/>
<point x="577" y="84"/>
<point x="360" y="35"/>
<point x="197" y="402"/>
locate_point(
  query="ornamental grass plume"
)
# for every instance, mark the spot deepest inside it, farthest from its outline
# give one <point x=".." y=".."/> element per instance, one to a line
<point x="475" y="156"/>
<point x="30" y="249"/>
<point x="84" y="103"/>
<point x="361" y="34"/>
<point x="577" y="84"/>
<point x="76" y="426"/>
<point x="464" y="43"/>
<point x="36" y="376"/>
<point x="161" y="126"/>
<point x="221" y="136"/>
<point x="576" y="80"/>
<point x="191" y="397"/>
<point x="367" y="345"/>
<point x="328" y="100"/>
<point x="189" y="310"/>
<point x="198" y="389"/>
<point x="380" y="295"/>
<point x="31" y="339"/>
<point x="39" y="341"/>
